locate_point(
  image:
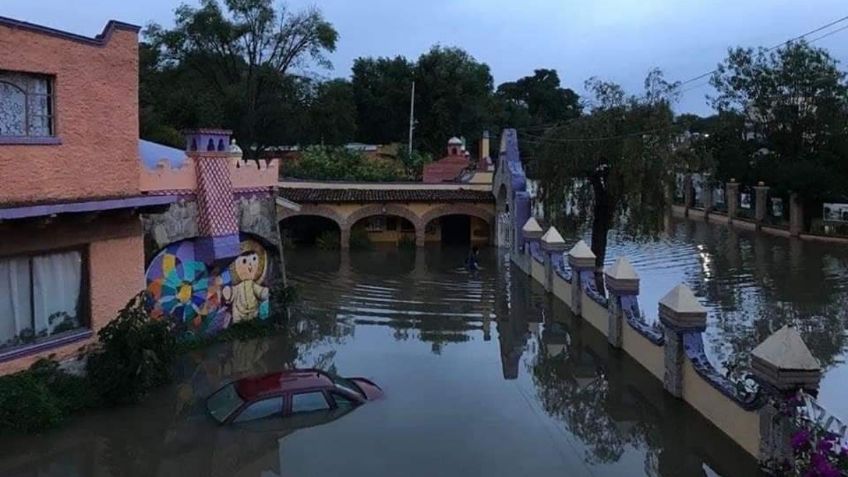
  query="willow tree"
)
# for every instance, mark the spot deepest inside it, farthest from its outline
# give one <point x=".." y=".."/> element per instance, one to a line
<point x="612" y="165"/>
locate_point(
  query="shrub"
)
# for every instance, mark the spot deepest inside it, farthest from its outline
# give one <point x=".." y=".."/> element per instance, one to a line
<point x="328" y="240"/>
<point x="26" y="404"/>
<point x="359" y="240"/>
<point x="134" y="355"/>
<point x="73" y="393"/>
<point x="41" y="397"/>
<point x="282" y="298"/>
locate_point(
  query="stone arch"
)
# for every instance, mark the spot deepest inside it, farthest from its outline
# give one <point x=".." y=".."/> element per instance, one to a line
<point x="458" y="209"/>
<point x="315" y="210"/>
<point x="386" y="209"/>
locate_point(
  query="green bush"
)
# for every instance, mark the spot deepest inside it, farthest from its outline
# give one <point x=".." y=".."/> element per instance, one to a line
<point x="134" y="355"/>
<point x="73" y="393"/>
<point x="328" y="240"/>
<point x="41" y="397"/>
<point x="282" y="298"/>
<point x="26" y="404"/>
<point x="359" y="240"/>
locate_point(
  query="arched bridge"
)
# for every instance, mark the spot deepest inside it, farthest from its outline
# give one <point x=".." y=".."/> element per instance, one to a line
<point x="389" y="212"/>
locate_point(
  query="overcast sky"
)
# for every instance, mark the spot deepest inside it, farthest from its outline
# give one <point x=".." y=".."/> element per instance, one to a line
<point x="619" y="40"/>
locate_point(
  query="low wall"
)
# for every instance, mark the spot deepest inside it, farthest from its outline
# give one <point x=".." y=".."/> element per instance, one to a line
<point x="746" y="224"/>
<point x="646" y="344"/>
<point x="649" y="355"/>
<point x="537" y="270"/>
<point x="562" y="290"/>
<point x="741" y="425"/>
<point x="595" y="314"/>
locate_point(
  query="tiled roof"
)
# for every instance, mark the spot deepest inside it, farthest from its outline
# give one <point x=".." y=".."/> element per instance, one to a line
<point x="304" y="195"/>
<point x="445" y="170"/>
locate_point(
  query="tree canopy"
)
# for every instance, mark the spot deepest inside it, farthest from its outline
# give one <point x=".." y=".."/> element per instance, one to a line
<point x="249" y="66"/>
<point x="784" y="114"/>
<point x="231" y="69"/>
<point x="610" y="165"/>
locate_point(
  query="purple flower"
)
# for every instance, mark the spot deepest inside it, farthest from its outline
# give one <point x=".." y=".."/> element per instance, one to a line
<point x="801" y="440"/>
<point x="825" y="445"/>
<point x="821" y="467"/>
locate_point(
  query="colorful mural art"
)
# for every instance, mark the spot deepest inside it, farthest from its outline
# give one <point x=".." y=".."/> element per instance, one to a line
<point x="201" y="300"/>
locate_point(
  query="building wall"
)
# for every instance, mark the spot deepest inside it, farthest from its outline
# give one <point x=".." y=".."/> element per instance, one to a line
<point x="115" y="263"/>
<point x="96" y="117"/>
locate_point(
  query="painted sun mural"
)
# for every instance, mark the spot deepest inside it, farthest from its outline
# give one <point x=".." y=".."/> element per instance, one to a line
<point x="203" y="300"/>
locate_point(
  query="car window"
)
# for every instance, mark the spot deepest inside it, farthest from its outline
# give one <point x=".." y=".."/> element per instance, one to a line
<point x="308" y="402"/>
<point x="223" y="403"/>
<point x="342" y="400"/>
<point x="261" y="409"/>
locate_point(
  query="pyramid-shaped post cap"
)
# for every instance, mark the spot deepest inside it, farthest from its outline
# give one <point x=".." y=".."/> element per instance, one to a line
<point x="784" y="362"/>
<point x="680" y="309"/>
<point x="552" y="241"/>
<point x="621" y="277"/>
<point x="581" y="256"/>
<point x="531" y="229"/>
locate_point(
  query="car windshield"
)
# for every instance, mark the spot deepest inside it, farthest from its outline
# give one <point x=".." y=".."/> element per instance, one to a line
<point x="347" y="385"/>
<point x="224" y="402"/>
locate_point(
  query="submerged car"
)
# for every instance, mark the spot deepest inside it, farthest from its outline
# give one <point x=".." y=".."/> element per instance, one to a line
<point x="289" y="394"/>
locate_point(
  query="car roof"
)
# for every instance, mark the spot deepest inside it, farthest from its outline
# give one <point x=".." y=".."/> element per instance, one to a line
<point x="282" y="381"/>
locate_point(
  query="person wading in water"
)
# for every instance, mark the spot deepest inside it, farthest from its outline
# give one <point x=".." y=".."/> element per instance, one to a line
<point x="471" y="261"/>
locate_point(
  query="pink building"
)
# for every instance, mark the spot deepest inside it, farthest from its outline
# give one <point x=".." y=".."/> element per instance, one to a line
<point x="81" y="196"/>
<point x="72" y="251"/>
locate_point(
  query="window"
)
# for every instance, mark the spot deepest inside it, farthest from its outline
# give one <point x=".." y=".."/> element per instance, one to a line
<point x="224" y="402"/>
<point x="308" y="402"/>
<point x="40" y="297"/>
<point x="262" y="409"/>
<point x="26" y="105"/>
<point x="343" y="401"/>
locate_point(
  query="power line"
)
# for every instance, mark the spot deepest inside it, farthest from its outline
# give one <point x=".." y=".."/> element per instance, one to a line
<point x="539" y="140"/>
<point x="799" y="37"/>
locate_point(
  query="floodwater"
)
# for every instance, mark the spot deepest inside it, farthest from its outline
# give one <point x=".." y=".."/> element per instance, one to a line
<point x="484" y="375"/>
<point x="752" y="284"/>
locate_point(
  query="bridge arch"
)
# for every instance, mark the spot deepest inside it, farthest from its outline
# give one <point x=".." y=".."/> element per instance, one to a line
<point x="302" y="221"/>
<point x="476" y="233"/>
<point x="375" y="210"/>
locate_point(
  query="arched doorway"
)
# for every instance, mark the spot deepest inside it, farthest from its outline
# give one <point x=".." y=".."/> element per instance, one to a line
<point x="458" y="229"/>
<point x="310" y="230"/>
<point x="382" y="229"/>
<point x="458" y="224"/>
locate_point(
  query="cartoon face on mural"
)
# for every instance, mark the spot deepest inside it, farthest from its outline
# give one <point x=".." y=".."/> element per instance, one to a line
<point x="247" y="297"/>
<point x="203" y="300"/>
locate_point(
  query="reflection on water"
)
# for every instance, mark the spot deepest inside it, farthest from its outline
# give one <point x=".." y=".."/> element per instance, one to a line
<point x="483" y="373"/>
<point x="753" y="284"/>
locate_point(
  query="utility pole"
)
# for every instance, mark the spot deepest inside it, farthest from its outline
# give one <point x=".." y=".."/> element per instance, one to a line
<point x="411" y="116"/>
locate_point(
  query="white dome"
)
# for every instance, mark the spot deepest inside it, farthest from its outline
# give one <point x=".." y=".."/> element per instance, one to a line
<point x="455" y="141"/>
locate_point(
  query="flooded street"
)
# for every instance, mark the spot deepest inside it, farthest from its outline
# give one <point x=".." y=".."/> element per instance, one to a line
<point x="484" y="373"/>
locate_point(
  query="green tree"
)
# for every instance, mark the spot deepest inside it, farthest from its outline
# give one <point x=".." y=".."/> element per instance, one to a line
<point x="542" y="97"/>
<point x="793" y="105"/>
<point x="331" y="114"/>
<point x="381" y="88"/>
<point x="612" y="163"/>
<point x="235" y="64"/>
<point x="454" y="96"/>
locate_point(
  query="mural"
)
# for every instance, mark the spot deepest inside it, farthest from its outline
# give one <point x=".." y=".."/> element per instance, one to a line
<point x="203" y="300"/>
